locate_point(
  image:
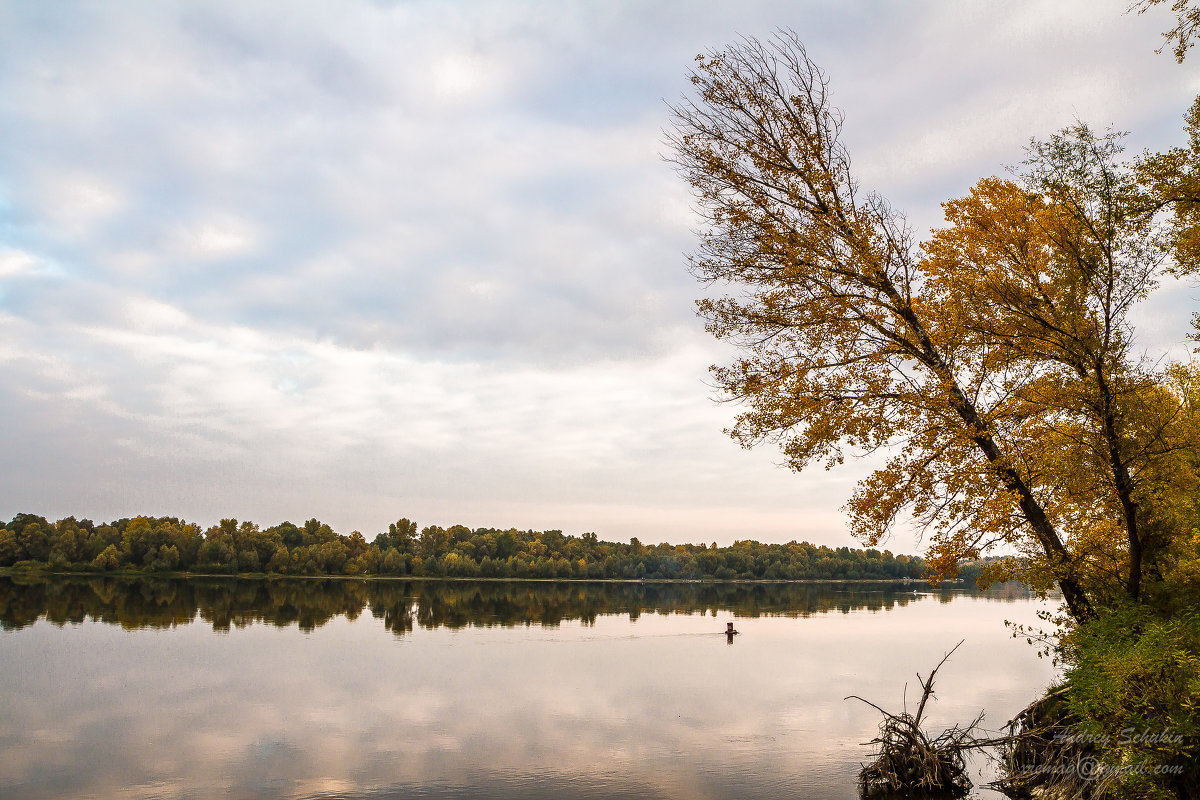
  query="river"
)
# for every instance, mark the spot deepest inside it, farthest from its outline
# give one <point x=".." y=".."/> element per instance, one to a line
<point x="394" y="689"/>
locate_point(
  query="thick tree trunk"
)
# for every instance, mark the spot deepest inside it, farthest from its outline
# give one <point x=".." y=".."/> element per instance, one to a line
<point x="1078" y="604"/>
<point x="1123" y="483"/>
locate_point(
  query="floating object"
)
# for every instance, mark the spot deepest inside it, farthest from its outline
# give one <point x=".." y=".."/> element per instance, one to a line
<point x="729" y="631"/>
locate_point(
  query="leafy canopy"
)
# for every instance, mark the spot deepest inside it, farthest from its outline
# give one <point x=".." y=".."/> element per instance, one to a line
<point x="994" y="365"/>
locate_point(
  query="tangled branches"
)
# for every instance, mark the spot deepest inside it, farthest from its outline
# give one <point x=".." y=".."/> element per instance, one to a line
<point x="1043" y="757"/>
<point x="909" y="760"/>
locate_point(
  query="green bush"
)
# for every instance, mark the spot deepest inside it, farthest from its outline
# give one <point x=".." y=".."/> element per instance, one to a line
<point x="1134" y="679"/>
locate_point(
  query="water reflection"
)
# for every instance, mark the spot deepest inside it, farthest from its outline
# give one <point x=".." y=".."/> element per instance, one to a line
<point x="347" y="689"/>
<point x="135" y="603"/>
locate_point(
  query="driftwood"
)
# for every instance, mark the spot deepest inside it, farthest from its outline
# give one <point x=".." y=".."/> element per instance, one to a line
<point x="909" y="760"/>
<point x="1043" y="757"/>
<point x="1042" y="754"/>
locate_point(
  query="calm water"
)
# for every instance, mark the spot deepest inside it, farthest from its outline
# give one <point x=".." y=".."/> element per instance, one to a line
<point x="337" y="689"/>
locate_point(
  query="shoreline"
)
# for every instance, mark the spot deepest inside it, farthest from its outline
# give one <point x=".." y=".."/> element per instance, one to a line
<point x="265" y="576"/>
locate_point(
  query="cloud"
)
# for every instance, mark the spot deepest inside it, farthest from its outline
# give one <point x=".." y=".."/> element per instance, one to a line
<point x="218" y="238"/>
<point x="427" y="258"/>
<point x="20" y="264"/>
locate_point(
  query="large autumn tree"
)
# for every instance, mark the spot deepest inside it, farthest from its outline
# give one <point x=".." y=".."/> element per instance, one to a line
<point x="1187" y="24"/>
<point x="994" y="365"/>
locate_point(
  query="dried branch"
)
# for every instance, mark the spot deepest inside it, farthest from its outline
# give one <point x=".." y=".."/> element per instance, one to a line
<point x="909" y="760"/>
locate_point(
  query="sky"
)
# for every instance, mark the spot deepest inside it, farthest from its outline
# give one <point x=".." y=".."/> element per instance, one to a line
<point x="368" y="260"/>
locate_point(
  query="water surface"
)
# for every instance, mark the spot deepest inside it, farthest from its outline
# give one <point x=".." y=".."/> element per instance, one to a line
<point x="344" y="689"/>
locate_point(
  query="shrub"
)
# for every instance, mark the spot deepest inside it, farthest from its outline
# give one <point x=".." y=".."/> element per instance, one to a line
<point x="1134" y="680"/>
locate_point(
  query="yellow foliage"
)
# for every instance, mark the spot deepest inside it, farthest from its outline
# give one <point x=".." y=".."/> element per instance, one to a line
<point x="994" y="364"/>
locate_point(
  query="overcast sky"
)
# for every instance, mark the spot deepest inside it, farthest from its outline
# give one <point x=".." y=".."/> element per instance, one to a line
<point x="365" y="260"/>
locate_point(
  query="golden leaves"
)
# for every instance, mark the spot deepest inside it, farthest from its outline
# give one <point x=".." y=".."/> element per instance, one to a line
<point x="992" y="363"/>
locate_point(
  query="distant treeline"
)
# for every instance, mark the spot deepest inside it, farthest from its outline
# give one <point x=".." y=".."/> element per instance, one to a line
<point x="168" y="544"/>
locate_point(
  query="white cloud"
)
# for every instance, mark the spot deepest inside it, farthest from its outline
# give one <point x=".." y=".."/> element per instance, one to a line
<point x="219" y="237"/>
<point x="463" y="76"/>
<point x="14" y="263"/>
<point x="76" y="203"/>
<point x="427" y="259"/>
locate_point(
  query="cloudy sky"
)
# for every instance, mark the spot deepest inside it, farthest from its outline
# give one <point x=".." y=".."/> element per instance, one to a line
<point x="365" y="260"/>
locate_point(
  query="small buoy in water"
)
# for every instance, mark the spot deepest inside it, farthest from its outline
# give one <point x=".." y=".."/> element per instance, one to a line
<point x="729" y="631"/>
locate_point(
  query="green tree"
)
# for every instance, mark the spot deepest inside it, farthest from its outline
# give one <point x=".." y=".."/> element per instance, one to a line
<point x="393" y="563"/>
<point x="433" y="542"/>
<point x="110" y="558"/>
<point x="280" y="560"/>
<point x="402" y="535"/>
<point x="33" y="538"/>
<point x="10" y="551"/>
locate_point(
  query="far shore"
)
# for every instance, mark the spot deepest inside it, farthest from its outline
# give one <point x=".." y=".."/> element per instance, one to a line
<point x="264" y="576"/>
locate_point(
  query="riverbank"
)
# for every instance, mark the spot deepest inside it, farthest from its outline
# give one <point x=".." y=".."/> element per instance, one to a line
<point x="43" y="572"/>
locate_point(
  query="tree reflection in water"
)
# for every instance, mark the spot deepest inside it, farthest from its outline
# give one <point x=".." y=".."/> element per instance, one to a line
<point x="227" y="603"/>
